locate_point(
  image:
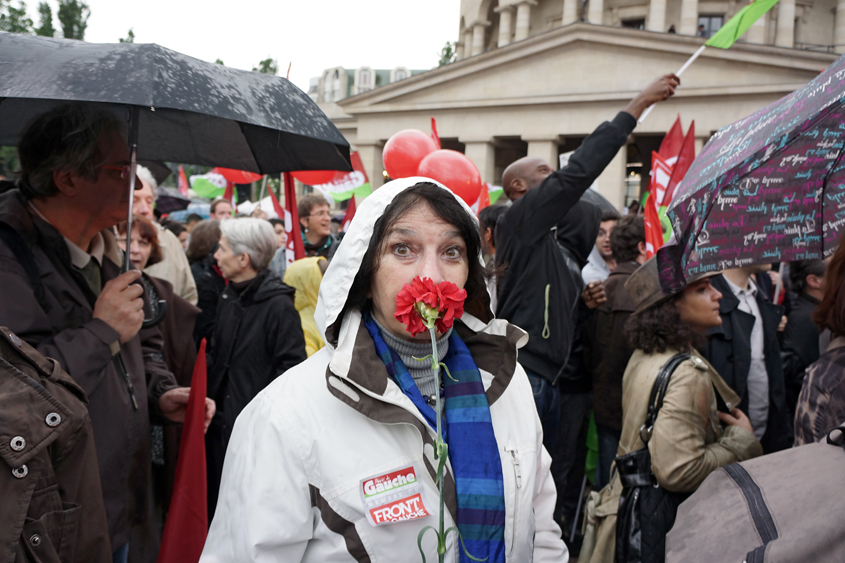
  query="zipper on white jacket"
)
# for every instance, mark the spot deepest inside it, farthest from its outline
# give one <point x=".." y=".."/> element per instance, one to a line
<point x="517" y="472"/>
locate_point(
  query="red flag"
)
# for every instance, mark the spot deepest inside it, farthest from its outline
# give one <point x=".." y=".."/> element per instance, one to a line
<point x="685" y="157"/>
<point x="187" y="520"/>
<point x="277" y="207"/>
<point x="671" y="145"/>
<point x="295" y="248"/>
<point x="653" y="231"/>
<point x="183" y="182"/>
<point x="350" y="213"/>
<point x="434" y="136"/>
<point x="483" y="199"/>
<point x="661" y="174"/>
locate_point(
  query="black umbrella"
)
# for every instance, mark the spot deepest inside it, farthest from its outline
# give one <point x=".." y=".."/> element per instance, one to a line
<point x="169" y="200"/>
<point x="179" y="109"/>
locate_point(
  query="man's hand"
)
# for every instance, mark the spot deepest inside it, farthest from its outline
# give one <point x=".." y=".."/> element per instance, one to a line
<point x="782" y="325"/>
<point x="736" y="418"/>
<point x="173" y="404"/>
<point x="594" y="294"/>
<point x="120" y="305"/>
<point x="657" y="91"/>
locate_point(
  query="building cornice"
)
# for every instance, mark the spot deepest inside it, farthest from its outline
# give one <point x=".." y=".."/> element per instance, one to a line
<point x="762" y="55"/>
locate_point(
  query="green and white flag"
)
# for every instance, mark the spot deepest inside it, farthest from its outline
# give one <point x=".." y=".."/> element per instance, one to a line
<point x="344" y="185"/>
<point x="739" y="24"/>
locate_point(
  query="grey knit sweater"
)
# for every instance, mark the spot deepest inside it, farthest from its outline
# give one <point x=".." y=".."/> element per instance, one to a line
<point x="408" y="350"/>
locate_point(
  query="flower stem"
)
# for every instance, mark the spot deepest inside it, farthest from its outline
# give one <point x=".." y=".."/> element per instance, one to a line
<point x="439" y="449"/>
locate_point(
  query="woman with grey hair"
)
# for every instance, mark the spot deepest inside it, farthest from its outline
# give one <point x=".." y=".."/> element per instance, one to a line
<point x="257" y="334"/>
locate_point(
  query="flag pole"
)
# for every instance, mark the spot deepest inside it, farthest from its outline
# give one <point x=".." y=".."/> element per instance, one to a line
<point x="679" y="73"/>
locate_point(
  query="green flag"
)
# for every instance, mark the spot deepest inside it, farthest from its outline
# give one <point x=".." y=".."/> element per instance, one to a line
<point x="740" y="23"/>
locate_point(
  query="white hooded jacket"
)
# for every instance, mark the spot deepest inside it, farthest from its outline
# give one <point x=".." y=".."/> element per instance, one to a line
<point x="307" y="452"/>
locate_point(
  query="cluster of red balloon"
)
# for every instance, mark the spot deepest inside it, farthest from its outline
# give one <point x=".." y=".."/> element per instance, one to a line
<point x="413" y="153"/>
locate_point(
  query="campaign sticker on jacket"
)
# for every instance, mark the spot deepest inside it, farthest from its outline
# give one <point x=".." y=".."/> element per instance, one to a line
<point x="393" y="497"/>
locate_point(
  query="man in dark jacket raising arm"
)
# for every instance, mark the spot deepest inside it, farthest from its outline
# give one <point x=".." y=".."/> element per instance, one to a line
<point x="538" y="292"/>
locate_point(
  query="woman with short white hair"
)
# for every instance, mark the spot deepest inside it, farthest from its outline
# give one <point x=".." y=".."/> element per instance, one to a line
<point x="257" y="335"/>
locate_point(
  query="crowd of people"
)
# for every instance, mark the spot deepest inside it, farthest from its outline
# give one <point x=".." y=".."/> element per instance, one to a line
<point x="314" y="387"/>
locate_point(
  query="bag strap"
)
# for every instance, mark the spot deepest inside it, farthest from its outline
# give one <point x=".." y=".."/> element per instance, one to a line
<point x="658" y="393"/>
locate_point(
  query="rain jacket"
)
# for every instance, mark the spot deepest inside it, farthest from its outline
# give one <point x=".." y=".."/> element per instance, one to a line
<point x="301" y="452"/>
<point x="305" y="276"/>
<point x="52" y="507"/>
<point x="687" y="443"/>
<point x="538" y="292"/>
<point x="60" y="325"/>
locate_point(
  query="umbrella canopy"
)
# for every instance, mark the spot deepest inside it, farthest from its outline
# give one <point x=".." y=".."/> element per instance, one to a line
<point x="169" y="200"/>
<point x="188" y="110"/>
<point x="768" y="188"/>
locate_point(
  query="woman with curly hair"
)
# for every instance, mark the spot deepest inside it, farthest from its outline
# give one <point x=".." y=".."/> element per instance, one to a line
<point x="690" y="437"/>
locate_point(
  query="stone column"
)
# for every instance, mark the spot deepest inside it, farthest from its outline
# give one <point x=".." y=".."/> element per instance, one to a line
<point x="467" y="42"/>
<point x="459" y="50"/>
<point x="371" y="158"/>
<point x="523" y="20"/>
<point x="570" y="11"/>
<point x="657" y="15"/>
<point x="547" y="149"/>
<point x="505" y="25"/>
<point x="689" y="17"/>
<point x="786" y="24"/>
<point x="595" y="12"/>
<point x="478" y="38"/>
<point x="839" y="28"/>
<point x="611" y="182"/>
<point x="483" y="154"/>
<point x="757" y="32"/>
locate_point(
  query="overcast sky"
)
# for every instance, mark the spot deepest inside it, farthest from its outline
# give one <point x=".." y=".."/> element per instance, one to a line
<point x="311" y="34"/>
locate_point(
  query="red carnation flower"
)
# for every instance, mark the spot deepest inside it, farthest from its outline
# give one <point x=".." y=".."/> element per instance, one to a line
<point x="421" y="304"/>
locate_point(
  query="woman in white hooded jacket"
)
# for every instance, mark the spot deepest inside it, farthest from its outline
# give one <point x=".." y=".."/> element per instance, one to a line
<point x="335" y="462"/>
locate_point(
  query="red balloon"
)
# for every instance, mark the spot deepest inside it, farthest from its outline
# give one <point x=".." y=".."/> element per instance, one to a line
<point x="404" y="151"/>
<point x="239" y="176"/>
<point x="314" y="177"/>
<point x="455" y="171"/>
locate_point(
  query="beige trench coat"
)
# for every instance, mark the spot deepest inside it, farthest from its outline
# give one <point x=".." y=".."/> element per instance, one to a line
<point x="687" y="443"/>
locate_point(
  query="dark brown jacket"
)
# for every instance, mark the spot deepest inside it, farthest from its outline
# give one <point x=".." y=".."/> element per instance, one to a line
<point x="52" y="505"/>
<point x="606" y="348"/>
<point x="60" y="325"/>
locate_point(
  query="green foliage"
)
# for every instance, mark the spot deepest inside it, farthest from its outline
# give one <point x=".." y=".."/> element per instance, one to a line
<point x="130" y="37"/>
<point x="73" y="15"/>
<point x="219" y="62"/>
<point x="267" y="66"/>
<point x="45" y="14"/>
<point x="8" y="162"/>
<point x="447" y="54"/>
<point x="13" y="19"/>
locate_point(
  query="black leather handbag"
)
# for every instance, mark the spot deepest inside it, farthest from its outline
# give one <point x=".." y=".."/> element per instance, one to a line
<point x="646" y="510"/>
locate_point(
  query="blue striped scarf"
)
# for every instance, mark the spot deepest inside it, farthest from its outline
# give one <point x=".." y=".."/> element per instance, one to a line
<point x="473" y="450"/>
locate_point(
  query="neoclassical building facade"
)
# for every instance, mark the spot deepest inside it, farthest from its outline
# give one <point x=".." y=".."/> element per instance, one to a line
<point x="532" y="78"/>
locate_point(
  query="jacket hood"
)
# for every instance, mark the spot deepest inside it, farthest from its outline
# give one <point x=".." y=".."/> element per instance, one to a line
<point x="304" y="276"/>
<point x="337" y="281"/>
<point x="269" y="285"/>
<point x="578" y="229"/>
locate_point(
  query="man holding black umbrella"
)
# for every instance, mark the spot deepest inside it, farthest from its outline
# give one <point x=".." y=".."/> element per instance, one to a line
<point x="64" y="294"/>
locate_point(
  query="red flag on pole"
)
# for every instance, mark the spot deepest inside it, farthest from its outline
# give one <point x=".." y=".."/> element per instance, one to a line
<point x="434" y="136"/>
<point x="686" y="155"/>
<point x="277" y="207"/>
<point x="183" y="182"/>
<point x="661" y="174"/>
<point x="350" y="213"/>
<point x="295" y="248"/>
<point x="653" y="231"/>
<point x="672" y="142"/>
<point x="187" y="520"/>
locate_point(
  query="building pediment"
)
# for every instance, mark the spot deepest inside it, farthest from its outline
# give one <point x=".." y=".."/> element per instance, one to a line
<point x="588" y="63"/>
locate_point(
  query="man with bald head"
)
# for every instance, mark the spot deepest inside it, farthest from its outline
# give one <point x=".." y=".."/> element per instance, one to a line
<point x="538" y="291"/>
